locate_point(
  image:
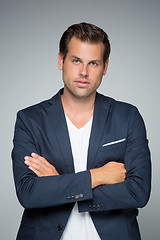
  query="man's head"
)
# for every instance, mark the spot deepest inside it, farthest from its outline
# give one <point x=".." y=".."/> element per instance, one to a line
<point x="83" y="58"/>
<point x="86" y="33"/>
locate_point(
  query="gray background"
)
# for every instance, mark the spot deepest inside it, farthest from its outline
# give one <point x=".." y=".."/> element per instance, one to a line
<point x="29" y="34"/>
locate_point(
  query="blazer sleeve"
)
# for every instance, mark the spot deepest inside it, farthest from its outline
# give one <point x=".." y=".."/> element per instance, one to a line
<point x="39" y="192"/>
<point x="134" y="192"/>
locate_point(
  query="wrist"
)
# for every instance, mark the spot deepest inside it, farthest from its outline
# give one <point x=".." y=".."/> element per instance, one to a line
<point x="95" y="177"/>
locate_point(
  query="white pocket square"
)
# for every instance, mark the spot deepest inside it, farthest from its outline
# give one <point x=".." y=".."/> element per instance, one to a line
<point x="110" y="143"/>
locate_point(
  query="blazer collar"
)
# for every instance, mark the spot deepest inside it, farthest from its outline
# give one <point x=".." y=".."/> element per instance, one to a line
<point x="57" y="118"/>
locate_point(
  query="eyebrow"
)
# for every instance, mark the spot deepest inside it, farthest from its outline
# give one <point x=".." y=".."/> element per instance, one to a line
<point x="75" y="57"/>
<point x="94" y="60"/>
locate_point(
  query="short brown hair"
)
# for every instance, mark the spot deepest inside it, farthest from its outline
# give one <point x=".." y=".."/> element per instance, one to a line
<point x="87" y="33"/>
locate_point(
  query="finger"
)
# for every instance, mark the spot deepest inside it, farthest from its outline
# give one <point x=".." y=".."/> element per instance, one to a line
<point x="35" y="171"/>
<point x="35" y="155"/>
<point x="39" y="166"/>
<point x="42" y="172"/>
<point x="27" y="160"/>
<point x="120" y="164"/>
<point x="40" y="158"/>
<point x="31" y="160"/>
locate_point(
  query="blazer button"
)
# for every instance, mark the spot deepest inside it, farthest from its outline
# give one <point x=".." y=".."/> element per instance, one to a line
<point x="76" y="196"/>
<point x="90" y="206"/>
<point x="68" y="199"/>
<point x="81" y="195"/>
<point x="59" y="227"/>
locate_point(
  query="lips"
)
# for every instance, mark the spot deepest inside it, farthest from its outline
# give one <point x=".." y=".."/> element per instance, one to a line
<point x="82" y="83"/>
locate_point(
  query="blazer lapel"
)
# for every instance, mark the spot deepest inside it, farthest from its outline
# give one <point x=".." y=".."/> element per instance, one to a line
<point x="101" y="112"/>
<point x="57" y="118"/>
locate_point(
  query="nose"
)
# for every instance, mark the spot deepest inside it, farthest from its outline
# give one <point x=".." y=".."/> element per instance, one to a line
<point x="84" y="71"/>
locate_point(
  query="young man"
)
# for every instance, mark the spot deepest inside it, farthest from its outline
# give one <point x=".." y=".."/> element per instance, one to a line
<point x="81" y="161"/>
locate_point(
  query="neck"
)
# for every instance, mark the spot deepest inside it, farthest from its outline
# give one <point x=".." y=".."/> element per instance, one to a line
<point x="79" y="110"/>
<point x="77" y="105"/>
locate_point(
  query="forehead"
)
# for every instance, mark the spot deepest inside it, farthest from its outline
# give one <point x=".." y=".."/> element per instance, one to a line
<point x="85" y="49"/>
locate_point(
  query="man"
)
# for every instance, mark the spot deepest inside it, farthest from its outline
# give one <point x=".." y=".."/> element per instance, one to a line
<point x="81" y="161"/>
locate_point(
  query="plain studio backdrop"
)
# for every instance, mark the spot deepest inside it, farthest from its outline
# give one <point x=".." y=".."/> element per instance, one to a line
<point x="29" y="37"/>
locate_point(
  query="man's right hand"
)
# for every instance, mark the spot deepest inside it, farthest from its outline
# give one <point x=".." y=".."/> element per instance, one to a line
<point x="110" y="173"/>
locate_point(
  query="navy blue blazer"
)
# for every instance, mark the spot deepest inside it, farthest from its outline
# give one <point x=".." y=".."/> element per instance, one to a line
<point x="118" y="134"/>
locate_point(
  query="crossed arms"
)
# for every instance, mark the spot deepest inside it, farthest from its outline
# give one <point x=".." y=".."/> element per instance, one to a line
<point x="39" y="184"/>
<point x="110" y="173"/>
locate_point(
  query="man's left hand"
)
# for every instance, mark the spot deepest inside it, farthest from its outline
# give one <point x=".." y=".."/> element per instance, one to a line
<point x="40" y="166"/>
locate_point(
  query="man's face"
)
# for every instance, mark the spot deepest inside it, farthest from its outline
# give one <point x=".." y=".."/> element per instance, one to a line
<point x="83" y="68"/>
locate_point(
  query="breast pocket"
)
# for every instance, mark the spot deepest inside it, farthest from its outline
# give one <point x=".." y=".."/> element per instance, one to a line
<point x="111" y="151"/>
<point x="114" y="143"/>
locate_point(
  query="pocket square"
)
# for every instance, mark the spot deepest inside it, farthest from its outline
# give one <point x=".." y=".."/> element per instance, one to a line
<point x="111" y="143"/>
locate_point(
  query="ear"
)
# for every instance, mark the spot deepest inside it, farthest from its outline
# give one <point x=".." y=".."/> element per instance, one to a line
<point x="60" y="61"/>
<point x="105" y="67"/>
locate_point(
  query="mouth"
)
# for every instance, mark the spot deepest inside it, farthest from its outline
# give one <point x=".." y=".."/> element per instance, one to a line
<point x="82" y="83"/>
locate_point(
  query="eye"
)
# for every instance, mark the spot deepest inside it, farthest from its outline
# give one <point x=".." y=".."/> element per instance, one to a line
<point x="94" y="64"/>
<point x="76" y="61"/>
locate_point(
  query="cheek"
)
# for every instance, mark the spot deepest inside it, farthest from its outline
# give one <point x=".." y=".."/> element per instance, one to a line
<point x="97" y="76"/>
<point x="70" y="70"/>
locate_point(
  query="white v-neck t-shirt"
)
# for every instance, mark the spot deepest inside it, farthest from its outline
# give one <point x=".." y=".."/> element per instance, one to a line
<point x="79" y="225"/>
